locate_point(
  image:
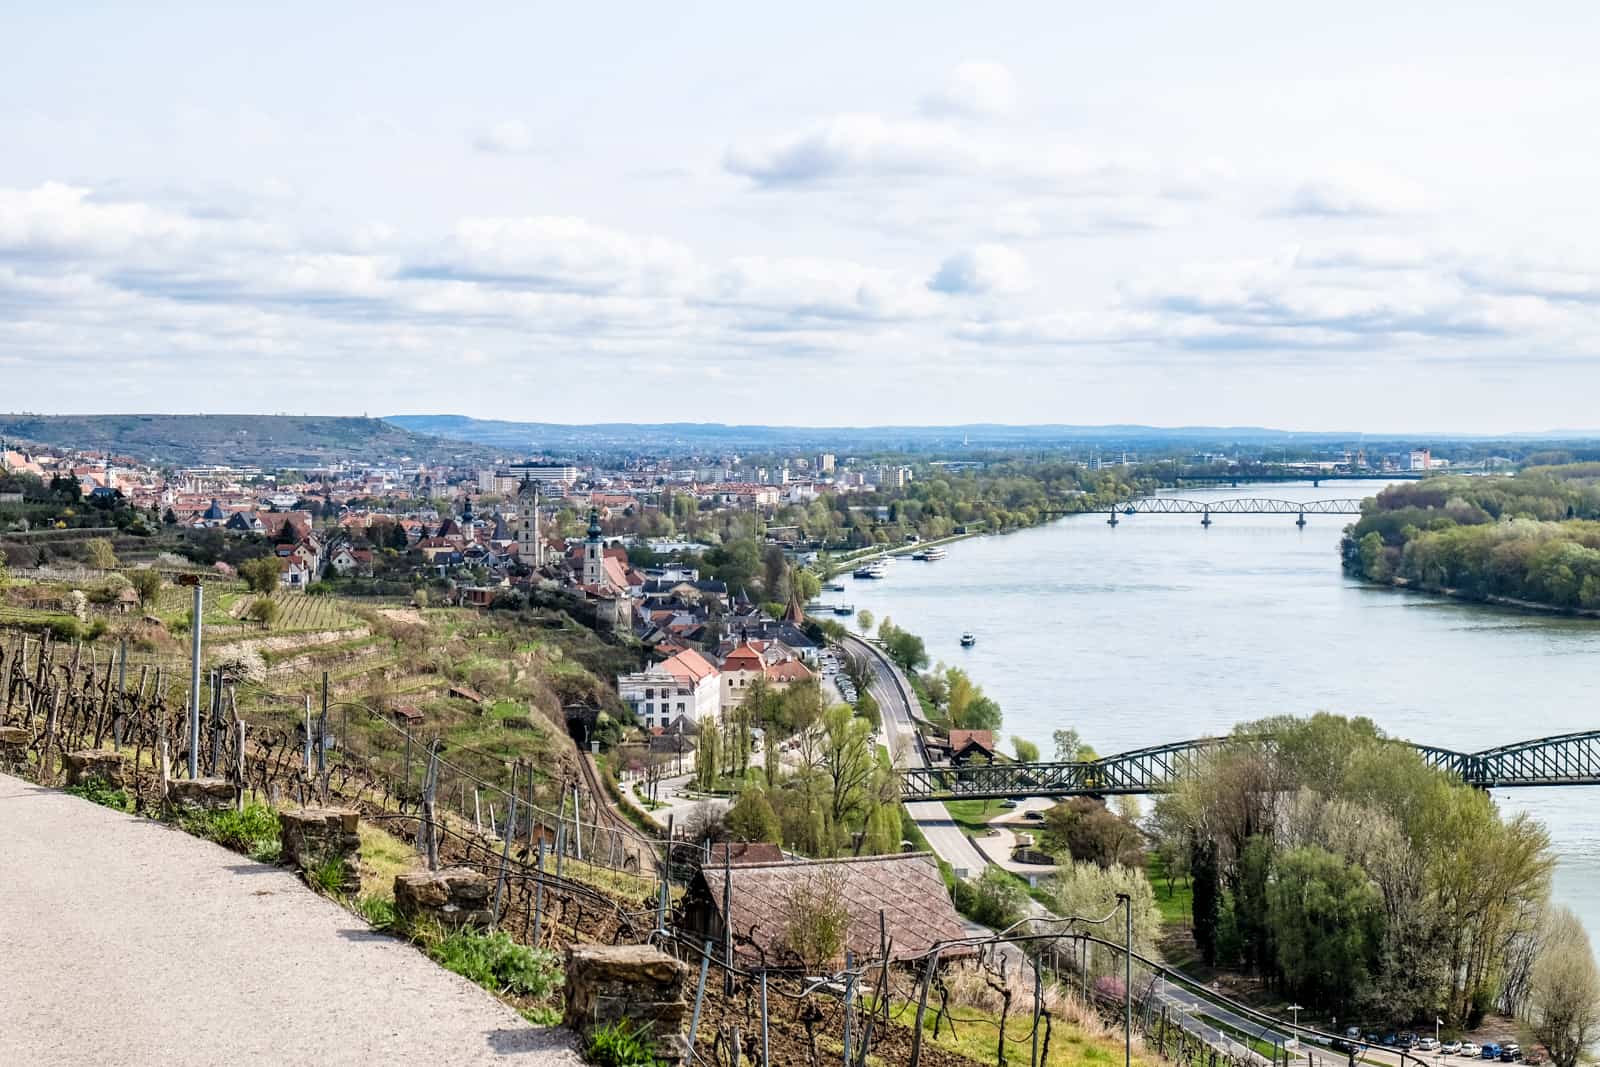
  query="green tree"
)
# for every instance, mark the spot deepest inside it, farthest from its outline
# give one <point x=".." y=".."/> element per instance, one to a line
<point x="864" y="620"/>
<point x="752" y="817"/>
<point x="261" y="573"/>
<point x="705" y="758"/>
<point x="1374" y="565"/>
<point x="996" y="899"/>
<point x="1027" y="751"/>
<point x="847" y="760"/>
<point x="147" y="583"/>
<point x="263" y="610"/>
<point x="1326" y="918"/>
<point x="1085" y="890"/>
<point x="1564" y="997"/>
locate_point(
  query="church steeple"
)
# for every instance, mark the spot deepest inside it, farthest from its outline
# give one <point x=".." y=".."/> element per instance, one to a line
<point x="594" y="570"/>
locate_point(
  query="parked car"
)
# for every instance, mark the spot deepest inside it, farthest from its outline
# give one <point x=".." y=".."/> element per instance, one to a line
<point x="1352" y="1033"/>
<point x="1344" y="1044"/>
<point x="1450" y="1048"/>
<point x="1033" y="816"/>
<point x="1391" y="1038"/>
<point x="1373" y="1038"/>
<point x="1534" y="1058"/>
<point x="1469" y="1048"/>
<point x="1427" y="1044"/>
<point x="1510" y="1052"/>
<point x="1491" y="1050"/>
<point x="1406" y="1040"/>
<point x="1008" y="803"/>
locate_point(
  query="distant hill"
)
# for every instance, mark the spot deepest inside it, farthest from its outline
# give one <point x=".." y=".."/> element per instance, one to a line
<point x="678" y="438"/>
<point x="271" y="441"/>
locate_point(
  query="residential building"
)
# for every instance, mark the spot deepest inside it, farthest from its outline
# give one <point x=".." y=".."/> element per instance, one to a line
<point x="684" y="685"/>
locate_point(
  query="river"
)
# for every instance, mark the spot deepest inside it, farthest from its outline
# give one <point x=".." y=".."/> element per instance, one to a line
<point x="1161" y="630"/>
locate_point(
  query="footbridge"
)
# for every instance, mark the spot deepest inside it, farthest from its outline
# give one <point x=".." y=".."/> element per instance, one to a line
<point x="1563" y="759"/>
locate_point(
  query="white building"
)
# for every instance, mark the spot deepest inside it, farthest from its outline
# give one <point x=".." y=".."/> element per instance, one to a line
<point x="544" y="474"/>
<point x="685" y="685"/>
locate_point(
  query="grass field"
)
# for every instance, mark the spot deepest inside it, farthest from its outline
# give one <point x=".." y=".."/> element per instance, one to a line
<point x="1176" y="903"/>
<point x="973" y="815"/>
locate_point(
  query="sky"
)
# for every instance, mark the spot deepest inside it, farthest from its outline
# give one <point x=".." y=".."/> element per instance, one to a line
<point x="1375" y="217"/>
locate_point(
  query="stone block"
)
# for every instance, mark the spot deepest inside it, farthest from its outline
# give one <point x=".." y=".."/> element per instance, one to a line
<point x="453" y="897"/>
<point x="313" y="836"/>
<point x="201" y="794"/>
<point x="90" y="764"/>
<point x="14" y="746"/>
<point x="640" y="983"/>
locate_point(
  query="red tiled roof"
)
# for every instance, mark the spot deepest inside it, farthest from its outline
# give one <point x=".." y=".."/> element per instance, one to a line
<point x="690" y="665"/>
<point x="959" y="739"/>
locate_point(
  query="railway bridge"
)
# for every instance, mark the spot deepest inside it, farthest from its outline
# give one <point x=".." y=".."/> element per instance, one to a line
<point x="1562" y="759"/>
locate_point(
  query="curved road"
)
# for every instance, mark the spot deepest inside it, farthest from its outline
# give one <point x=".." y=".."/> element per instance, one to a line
<point x="125" y="941"/>
<point x="893" y="693"/>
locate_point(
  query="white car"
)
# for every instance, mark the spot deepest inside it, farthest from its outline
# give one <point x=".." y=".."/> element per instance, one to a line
<point x="1470" y="1050"/>
<point x="1427" y="1044"/>
<point x="1450" y="1048"/>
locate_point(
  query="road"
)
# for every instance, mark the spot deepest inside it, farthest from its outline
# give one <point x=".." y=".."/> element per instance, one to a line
<point x="129" y="942"/>
<point x="893" y="693"/>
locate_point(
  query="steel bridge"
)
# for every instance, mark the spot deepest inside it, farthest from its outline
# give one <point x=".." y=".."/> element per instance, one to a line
<point x="1564" y="759"/>
<point x="1252" y="505"/>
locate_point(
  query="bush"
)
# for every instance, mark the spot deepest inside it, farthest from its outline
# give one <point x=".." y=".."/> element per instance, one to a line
<point x="252" y="830"/>
<point x="499" y="964"/>
<point x="379" y="912"/>
<point x="264" y="611"/>
<point x="99" y="791"/>
<point x="619" y="1044"/>
<point x="995" y="900"/>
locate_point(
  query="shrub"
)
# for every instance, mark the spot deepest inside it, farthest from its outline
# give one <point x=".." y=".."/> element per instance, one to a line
<point x="620" y="1044"/>
<point x="379" y="912"/>
<point x="499" y="964"/>
<point x="264" y="611"/>
<point x="99" y="791"/>
<point x="328" y="875"/>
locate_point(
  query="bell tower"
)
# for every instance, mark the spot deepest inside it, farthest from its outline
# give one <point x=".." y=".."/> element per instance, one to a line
<point x="594" y="552"/>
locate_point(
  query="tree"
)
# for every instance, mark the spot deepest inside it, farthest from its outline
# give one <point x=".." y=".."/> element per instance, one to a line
<point x="1027" y="751"/>
<point x="996" y="899"/>
<point x="806" y="586"/>
<point x="752" y="818"/>
<point x="864" y="620"/>
<point x="705" y="759"/>
<point x="1084" y="890"/>
<point x="1207" y="899"/>
<point x="1564" y="998"/>
<point x="147" y="583"/>
<point x="100" y="553"/>
<point x="1326" y="918"/>
<point x="847" y="760"/>
<point x="261" y="573"/>
<point x="1083" y="829"/>
<point x="1068" y="745"/>
<point x="815" y="917"/>
<point x="263" y="610"/>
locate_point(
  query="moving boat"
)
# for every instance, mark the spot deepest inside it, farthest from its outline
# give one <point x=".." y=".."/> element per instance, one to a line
<point x="870" y="570"/>
<point x="968" y="639"/>
<point x="929" y="554"/>
<point x="844" y="609"/>
<point x="833" y="587"/>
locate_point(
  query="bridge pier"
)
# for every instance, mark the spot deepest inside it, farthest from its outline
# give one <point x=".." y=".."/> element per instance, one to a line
<point x="1112" y="521"/>
<point x="1205" y="520"/>
<point x="1301" y="521"/>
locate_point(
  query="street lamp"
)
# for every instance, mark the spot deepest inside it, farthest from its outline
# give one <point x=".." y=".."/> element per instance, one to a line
<point x="1294" y="1036"/>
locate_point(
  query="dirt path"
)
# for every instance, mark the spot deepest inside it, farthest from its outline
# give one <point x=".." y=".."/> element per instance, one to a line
<point x="124" y="941"/>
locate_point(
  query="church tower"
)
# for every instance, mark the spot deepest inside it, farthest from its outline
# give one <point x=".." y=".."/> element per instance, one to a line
<point x="530" y="546"/>
<point x="594" y="572"/>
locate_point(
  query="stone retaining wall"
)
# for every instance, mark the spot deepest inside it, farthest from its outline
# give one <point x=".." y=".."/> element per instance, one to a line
<point x="313" y="837"/>
<point x="640" y="983"/>
<point x="453" y="897"/>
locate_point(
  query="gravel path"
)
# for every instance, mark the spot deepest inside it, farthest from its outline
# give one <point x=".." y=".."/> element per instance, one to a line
<point x="124" y="941"/>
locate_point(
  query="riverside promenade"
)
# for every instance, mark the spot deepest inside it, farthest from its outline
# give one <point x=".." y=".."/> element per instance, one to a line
<point x="128" y="942"/>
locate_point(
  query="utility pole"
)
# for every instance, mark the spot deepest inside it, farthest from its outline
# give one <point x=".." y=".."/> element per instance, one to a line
<point x="1127" y="979"/>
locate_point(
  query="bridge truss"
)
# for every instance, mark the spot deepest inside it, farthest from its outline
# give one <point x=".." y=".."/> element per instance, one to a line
<point x="1564" y="759"/>
<point x="1171" y="505"/>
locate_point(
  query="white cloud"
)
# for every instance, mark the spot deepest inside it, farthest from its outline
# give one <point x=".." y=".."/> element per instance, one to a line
<point x="803" y="288"/>
<point x="974" y="91"/>
<point x="505" y="136"/>
<point x="985" y="269"/>
<point x="1353" y="192"/>
<point x="561" y="254"/>
<point x="856" y="145"/>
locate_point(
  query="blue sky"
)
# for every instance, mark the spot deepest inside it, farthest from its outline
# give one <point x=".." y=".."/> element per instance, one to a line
<point x="1237" y="213"/>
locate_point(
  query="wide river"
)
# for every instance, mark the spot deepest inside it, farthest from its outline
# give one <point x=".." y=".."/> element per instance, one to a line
<point x="1160" y="630"/>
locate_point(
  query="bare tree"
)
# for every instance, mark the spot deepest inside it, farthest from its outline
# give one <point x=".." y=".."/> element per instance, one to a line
<point x="1564" y="997"/>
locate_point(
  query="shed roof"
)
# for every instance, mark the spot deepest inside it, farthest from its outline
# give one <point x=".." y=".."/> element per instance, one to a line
<point x="905" y="887"/>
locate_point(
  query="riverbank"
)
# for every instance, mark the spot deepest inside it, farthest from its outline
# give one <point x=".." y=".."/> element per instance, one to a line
<point x="1405" y="585"/>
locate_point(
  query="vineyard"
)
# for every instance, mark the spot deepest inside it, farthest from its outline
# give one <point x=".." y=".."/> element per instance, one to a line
<point x="297" y="613"/>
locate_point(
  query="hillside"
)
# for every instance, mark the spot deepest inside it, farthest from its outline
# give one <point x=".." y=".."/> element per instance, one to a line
<point x="269" y="441"/>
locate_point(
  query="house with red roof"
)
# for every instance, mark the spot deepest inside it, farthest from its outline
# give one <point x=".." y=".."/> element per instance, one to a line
<point x="685" y="686"/>
<point x="758" y="659"/>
